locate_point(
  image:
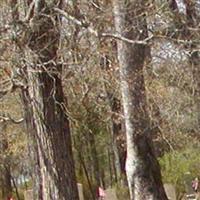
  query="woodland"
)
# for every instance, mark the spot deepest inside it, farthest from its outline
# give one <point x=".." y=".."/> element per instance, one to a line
<point x="105" y="93"/>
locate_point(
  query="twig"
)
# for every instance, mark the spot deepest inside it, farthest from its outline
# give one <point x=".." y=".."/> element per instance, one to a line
<point x="9" y="118"/>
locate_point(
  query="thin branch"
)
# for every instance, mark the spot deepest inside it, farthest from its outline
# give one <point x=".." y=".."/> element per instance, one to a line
<point x="124" y="39"/>
<point x="76" y="21"/>
<point x="118" y="36"/>
<point x="9" y="118"/>
<point x="97" y="34"/>
<point x="30" y="11"/>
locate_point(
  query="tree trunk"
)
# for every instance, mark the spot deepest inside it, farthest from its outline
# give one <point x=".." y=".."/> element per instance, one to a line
<point x="53" y="139"/>
<point x="95" y="161"/>
<point x="110" y="166"/>
<point x="83" y="164"/>
<point x="117" y="137"/>
<point x="28" y="112"/>
<point x="15" y="187"/>
<point x="6" y="181"/>
<point x="142" y="168"/>
<point x="32" y="145"/>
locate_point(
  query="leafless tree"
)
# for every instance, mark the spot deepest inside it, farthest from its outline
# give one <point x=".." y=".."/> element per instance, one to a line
<point x="142" y="168"/>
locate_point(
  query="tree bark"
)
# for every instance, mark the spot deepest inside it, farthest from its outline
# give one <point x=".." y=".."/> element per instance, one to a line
<point x="53" y="138"/>
<point x="32" y="145"/>
<point x="82" y="161"/>
<point x="95" y="161"/>
<point x="142" y="168"/>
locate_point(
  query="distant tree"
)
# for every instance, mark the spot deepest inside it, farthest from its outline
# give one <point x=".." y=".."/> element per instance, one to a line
<point x="192" y="34"/>
<point x="5" y="179"/>
<point x="187" y="24"/>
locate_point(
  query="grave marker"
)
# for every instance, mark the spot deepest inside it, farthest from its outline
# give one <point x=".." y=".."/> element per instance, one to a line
<point x="80" y="191"/>
<point x="170" y="191"/>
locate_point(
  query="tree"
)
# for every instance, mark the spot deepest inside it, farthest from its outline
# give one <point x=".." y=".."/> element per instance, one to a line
<point x="192" y="35"/>
<point x="187" y="24"/>
<point x="142" y="168"/>
<point x="53" y="140"/>
<point x="38" y="48"/>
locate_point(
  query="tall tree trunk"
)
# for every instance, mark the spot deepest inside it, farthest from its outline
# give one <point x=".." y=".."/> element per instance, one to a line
<point x="142" y="168"/>
<point x="82" y="161"/>
<point x="15" y="187"/>
<point x="32" y="145"/>
<point x="117" y="136"/>
<point x="110" y="166"/>
<point x="95" y="161"/>
<point x="28" y="111"/>
<point x="53" y="139"/>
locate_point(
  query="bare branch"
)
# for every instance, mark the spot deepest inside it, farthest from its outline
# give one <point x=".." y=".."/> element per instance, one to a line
<point x="118" y="36"/>
<point x="76" y="21"/>
<point x="124" y="39"/>
<point x="30" y="11"/>
<point x="9" y="118"/>
<point x="97" y="34"/>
